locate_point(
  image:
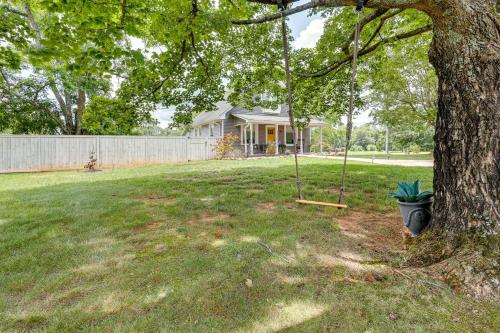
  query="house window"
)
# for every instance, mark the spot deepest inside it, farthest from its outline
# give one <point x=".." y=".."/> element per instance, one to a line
<point x="289" y="135"/>
<point x="211" y="129"/>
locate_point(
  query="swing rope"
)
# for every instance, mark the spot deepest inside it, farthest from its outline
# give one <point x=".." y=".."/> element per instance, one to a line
<point x="348" y="132"/>
<point x="284" y="33"/>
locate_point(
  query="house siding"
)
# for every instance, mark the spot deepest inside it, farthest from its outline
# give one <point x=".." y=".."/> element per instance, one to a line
<point x="230" y="126"/>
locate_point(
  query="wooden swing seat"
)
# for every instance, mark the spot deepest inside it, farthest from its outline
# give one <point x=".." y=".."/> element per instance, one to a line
<point x="319" y="203"/>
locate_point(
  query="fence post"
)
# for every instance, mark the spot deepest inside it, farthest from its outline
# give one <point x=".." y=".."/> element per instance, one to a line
<point x="97" y="151"/>
<point x="206" y="149"/>
<point x="39" y="153"/>
<point x="10" y="154"/>
<point x="145" y="150"/>
<point x="188" y="146"/>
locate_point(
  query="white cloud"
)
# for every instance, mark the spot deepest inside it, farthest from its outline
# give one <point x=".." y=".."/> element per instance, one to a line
<point x="310" y="35"/>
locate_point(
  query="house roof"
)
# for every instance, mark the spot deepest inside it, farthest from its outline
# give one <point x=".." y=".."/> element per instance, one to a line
<point x="208" y="117"/>
<point x="279" y="119"/>
<point x="257" y="115"/>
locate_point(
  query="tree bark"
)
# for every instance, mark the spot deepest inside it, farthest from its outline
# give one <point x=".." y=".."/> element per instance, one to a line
<point x="80" y="107"/>
<point x="465" y="53"/>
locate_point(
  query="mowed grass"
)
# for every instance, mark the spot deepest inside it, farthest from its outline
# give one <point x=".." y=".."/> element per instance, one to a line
<point x="170" y="248"/>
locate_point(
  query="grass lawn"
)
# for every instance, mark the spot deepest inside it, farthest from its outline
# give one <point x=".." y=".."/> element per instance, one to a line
<point x="393" y="155"/>
<point x="170" y="248"/>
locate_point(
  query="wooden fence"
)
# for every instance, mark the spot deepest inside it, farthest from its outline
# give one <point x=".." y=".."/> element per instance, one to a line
<point x="19" y="153"/>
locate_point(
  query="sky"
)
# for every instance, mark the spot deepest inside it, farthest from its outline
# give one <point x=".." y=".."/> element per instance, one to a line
<point x="306" y="30"/>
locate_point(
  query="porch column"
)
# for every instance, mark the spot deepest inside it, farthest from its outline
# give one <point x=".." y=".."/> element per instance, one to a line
<point x="241" y="135"/>
<point x="284" y="136"/>
<point x="276" y="138"/>
<point x="251" y="139"/>
<point x="321" y="139"/>
<point x="310" y="138"/>
<point x="257" y="141"/>
<point x="245" y="139"/>
<point x="302" y="141"/>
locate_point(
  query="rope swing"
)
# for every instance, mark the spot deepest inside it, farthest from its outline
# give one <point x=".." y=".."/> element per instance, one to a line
<point x="284" y="33"/>
<point x="286" y="56"/>
<point x="348" y="130"/>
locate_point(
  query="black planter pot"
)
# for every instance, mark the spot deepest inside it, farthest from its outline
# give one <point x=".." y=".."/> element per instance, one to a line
<point x="416" y="215"/>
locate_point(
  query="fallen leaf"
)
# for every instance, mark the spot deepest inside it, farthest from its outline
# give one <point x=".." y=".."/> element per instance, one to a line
<point x="393" y="316"/>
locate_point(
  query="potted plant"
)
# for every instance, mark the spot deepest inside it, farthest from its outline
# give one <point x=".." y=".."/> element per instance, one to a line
<point x="414" y="206"/>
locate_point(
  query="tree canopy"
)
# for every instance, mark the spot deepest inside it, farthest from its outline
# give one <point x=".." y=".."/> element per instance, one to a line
<point x="188" y="55"/>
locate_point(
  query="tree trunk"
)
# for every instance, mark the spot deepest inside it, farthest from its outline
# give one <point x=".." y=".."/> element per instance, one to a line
<point x="465" y="53"/>
<point x="68" y="113"/>
<point x="80" y="107"/>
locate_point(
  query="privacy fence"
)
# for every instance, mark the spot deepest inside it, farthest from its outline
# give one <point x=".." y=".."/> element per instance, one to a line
<point x="53" y="152"/>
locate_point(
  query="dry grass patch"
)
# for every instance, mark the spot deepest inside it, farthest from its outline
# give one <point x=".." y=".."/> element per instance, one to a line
<point x="151" y="226"/>
<point x="376" y="231"/>
<point x="265" y="207"/>
<point x="208" y="218"/>
<point x="156" y="199"/>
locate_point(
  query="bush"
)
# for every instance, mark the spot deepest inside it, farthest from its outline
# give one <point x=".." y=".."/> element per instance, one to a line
<point x="371" y="148"/>
<point x="271" y="148"/>
<point x="224" y="147"/>
<point x="414" y="149"/>
<point x="356" y="148"/>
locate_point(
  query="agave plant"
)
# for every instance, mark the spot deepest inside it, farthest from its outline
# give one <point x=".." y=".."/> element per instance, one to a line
<point x="411" y="192"/>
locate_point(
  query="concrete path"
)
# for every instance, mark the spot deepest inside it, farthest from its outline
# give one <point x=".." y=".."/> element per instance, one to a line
<point x="409" y="163"/>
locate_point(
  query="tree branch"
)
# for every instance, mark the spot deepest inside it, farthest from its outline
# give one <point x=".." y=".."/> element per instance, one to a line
<point x="367" y="50"/>
<point x="287" y="12"/>
<point x="198" y="56"/>
<point x="387" y="4"/>
<point x="373" y="16"/>
<point x="124" y="12"/>
<point x="362" y="23"/>
<point x="34" y="25"/>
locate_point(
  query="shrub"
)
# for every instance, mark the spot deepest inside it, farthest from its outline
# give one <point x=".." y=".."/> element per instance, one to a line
<point x="356" y="148"/>
<point x="371" y="148"/>
<point x="271" y="148"/>
<point x="224" y="147"/>
<point x="414" y="149"/>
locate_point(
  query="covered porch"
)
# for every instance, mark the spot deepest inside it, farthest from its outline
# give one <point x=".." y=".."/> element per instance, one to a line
<point x="257" y="138"/>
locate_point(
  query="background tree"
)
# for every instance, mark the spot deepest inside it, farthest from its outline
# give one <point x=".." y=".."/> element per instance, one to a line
<point x="113" y="116"/>
<point x="24" y="106"/>
<point x="75" y="47"/>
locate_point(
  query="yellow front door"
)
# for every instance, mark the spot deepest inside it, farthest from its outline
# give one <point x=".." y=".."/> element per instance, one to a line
<point x="270" y="135"/>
